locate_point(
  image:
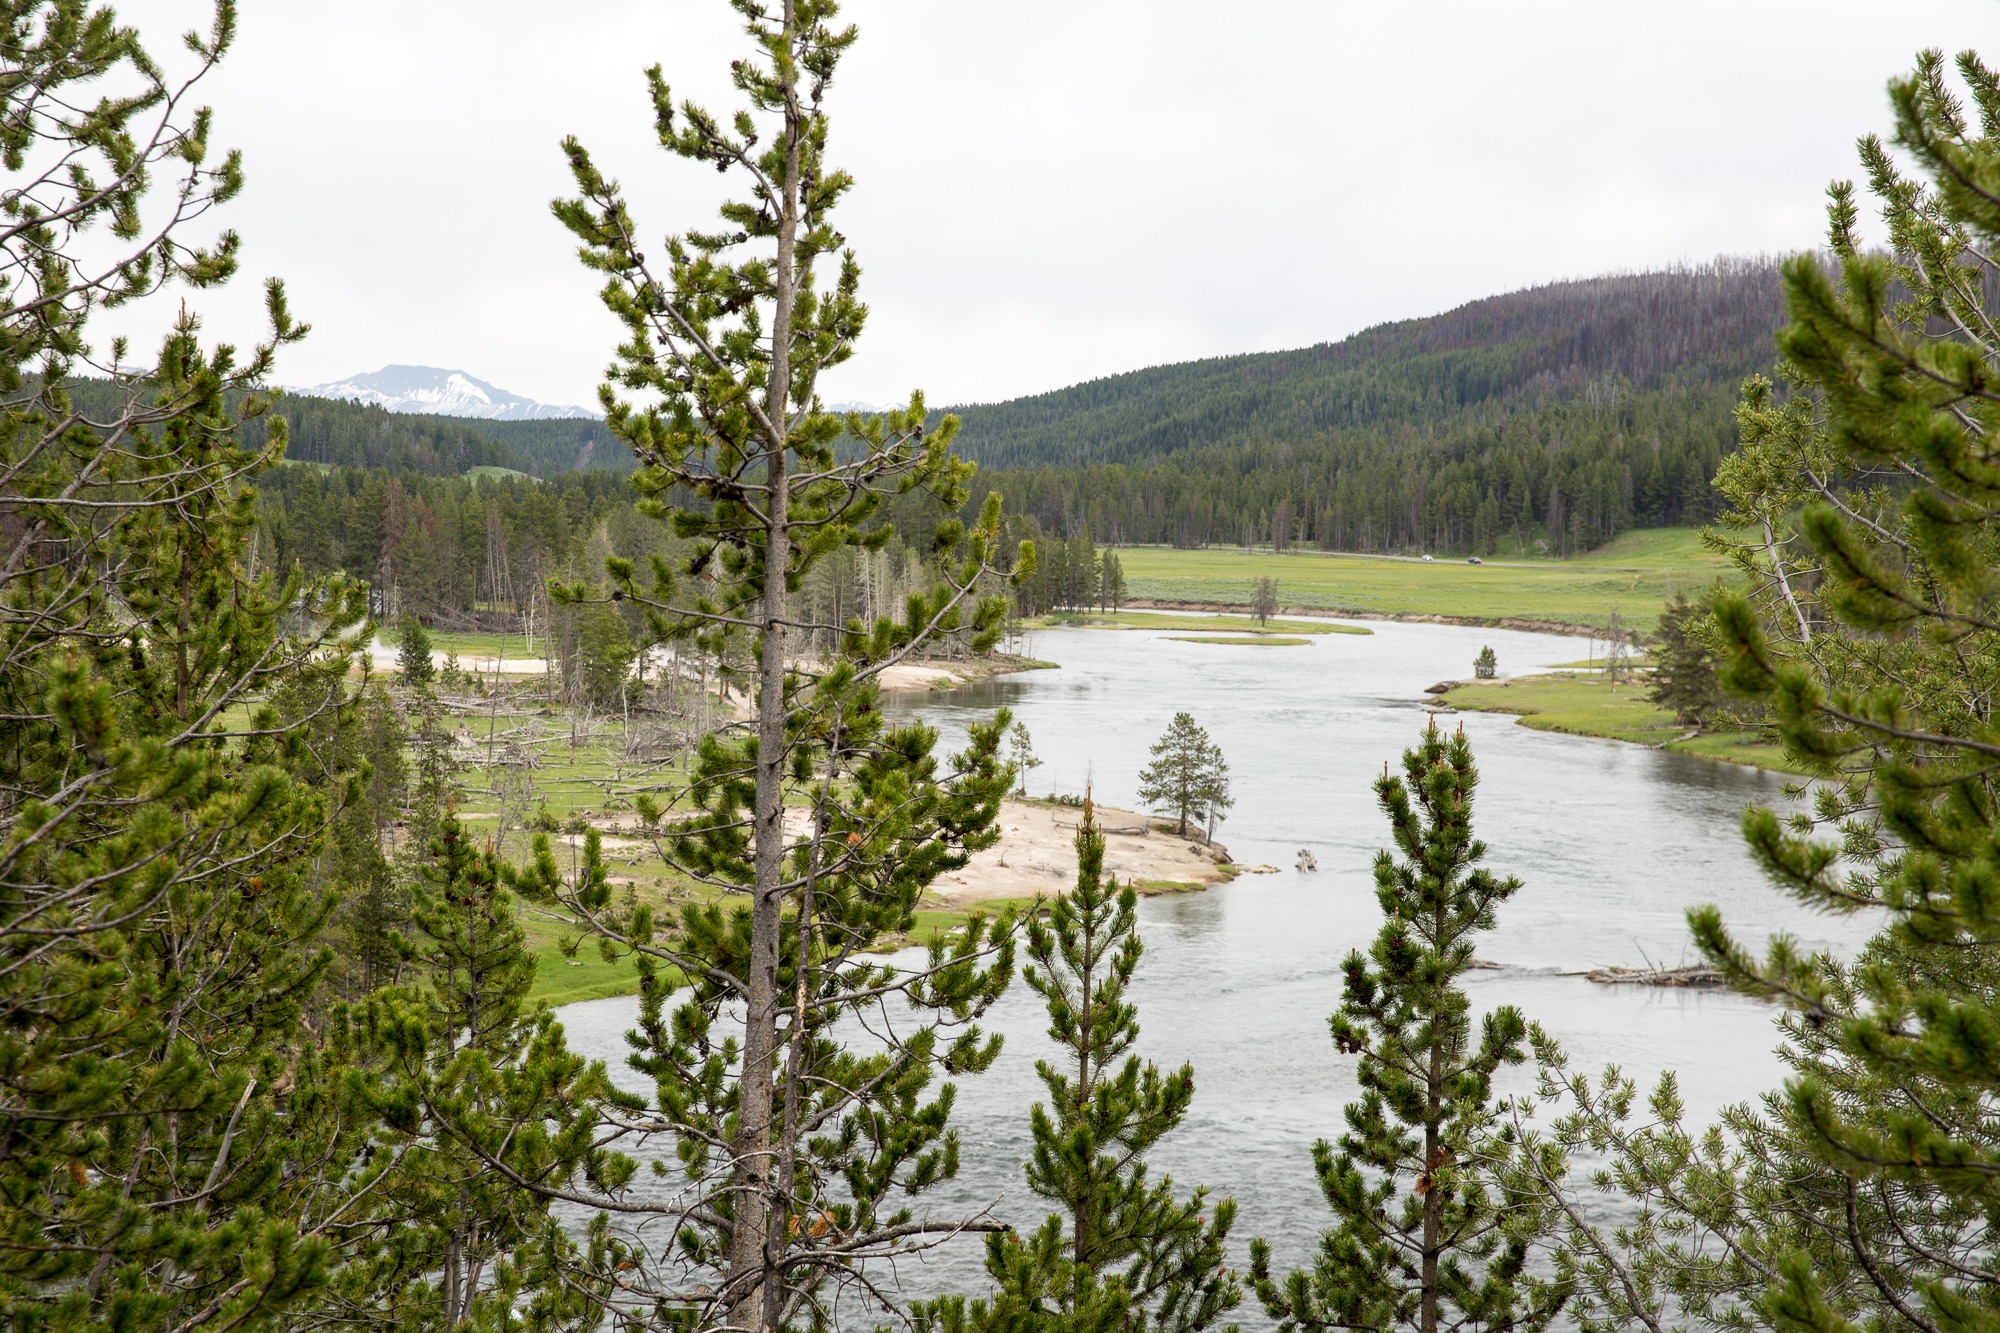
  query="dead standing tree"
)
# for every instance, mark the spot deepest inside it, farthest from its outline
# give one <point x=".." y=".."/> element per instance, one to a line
<point x="792" y="1145"/>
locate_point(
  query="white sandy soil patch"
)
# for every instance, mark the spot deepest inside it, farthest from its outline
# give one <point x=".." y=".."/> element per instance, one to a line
<point x="385" y="657"/>
<point x="918" y="676"/>
<point x="1036" y="854"/>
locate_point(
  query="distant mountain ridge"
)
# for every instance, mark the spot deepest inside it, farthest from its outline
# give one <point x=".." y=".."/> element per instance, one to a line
<point x="1551" y="418"/>
<point x="431" y="391"/>
<point x="1706" y="324"/>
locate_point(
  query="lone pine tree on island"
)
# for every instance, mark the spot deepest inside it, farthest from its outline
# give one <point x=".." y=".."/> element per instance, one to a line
<point x="1188" y="777"/>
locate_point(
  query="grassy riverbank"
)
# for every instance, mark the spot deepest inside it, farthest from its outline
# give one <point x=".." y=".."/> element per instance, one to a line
<point x="1636" y="574"/>
<point x="1590" y="705"/>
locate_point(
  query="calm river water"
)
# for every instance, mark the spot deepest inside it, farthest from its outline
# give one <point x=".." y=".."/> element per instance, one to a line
<point x="1614" y="842"/>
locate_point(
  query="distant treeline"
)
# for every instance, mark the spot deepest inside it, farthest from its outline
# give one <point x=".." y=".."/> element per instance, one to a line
<point x="332" y="433"/>
<point x="452" y="550"/>
<point x="339" y="434"/>
<point x="478" y="551"/>
<point x="1565" y="413"/>
<point x="1572" y="474"/>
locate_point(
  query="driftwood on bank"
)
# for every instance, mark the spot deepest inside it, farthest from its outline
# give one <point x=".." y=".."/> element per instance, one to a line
<point x="1130" y="831"/>
<point x="1698" y="976"/>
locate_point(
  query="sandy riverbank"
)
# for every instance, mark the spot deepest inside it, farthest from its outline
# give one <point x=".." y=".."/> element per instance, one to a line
<point x="1036" y="854"/>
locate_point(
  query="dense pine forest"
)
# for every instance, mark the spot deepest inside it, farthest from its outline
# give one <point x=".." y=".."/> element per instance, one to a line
<point x="330" y="433"/>
<point x="1559" y="416"/>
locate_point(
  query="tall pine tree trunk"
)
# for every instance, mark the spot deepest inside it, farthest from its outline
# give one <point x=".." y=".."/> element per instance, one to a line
<point x="758" y="1240"/>
<point x="1427" y="1312"/>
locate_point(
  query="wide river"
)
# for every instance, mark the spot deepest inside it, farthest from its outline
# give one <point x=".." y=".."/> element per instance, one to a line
<point x="1614" y="843"/>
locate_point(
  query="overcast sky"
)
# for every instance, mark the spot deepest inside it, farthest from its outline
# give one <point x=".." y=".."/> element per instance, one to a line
<point x="1048" y="190"/>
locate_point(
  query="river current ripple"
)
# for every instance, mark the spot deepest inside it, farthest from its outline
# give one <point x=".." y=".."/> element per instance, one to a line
<point x="1614" y="843"/>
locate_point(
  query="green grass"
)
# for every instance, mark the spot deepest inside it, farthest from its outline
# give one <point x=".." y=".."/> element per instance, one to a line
<point x="1633" y="660"/>
<point x="1636" y="574"/>
<point x="1593" y="706"/>
<point x="1146" y="888"/>
<point x="1243" y="641"/>
<point x="490" y="472"/>
<point x="1160" y="620"/>
<point x="561" y="980"/>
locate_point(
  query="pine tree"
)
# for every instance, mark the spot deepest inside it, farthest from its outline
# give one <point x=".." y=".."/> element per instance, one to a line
<point x="413" y="654"/>
<point x="1486" y="665"/>
<point x="170" y="1161"/>
<point x="1188" y="777"/>
<point x="1423" y="1240"/>
<point x="1112" y="572"/>
<point x="1684" y="675"/>
<point x="798" y="1152"/>
<point x="1264" y="600"/>
<point x="1121" y="1252"/>
<point x="1021" y="754"/>
<point x="1871" y="638"/>
<point x="487" y="1115"/>
<point x="604" y="657"/>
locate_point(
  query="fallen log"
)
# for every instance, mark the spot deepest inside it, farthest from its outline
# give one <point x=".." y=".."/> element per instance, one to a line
<point x="1698" y="976"/>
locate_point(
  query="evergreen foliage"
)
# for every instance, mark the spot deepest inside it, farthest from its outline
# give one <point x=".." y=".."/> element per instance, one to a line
<point x="1486" y="665"/>
<point x="413" y="654"/>
<point x="602" y="663"/>
<point x="1875" y="654"/>
<point x="1685" y="677"/>
<point x="1264" y="600"/>
<point x="1121" y="1252"/>
<point x="1021" y="755"/>
<point x="1564" y="414"/>
<point x="1188" y="777"/>
<point x="1111" y="590"/>
<point x="1859" y="1194"/>
<point x="1423" y="1239"/>
<point x="172" y="1150"/>
<point x="485" y="1115"/>
<point x="327" y="433"/>
<point x="1068" y="574"/>
<point x="798" y="1152"/>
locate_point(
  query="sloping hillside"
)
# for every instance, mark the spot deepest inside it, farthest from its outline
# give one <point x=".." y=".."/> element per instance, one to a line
<point x="1639" y="331"/>
<point x="1562" y="415"/>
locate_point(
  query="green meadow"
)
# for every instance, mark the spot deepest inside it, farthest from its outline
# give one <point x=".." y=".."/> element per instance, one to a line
<point x="1634" y="575"/>
<point x="1591" y="705"/>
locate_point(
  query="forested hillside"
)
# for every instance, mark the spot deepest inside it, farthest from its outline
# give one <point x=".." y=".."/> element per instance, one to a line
<point x="559" y="444"/>
<point x="331" y="433"/>
<point x="468" y="552"/>
<point x="342" y="434"/>
<point x="1564" y="414"/>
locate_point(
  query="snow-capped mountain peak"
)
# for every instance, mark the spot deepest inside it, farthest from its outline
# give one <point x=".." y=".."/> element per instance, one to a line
<point x="429" y="391"/>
